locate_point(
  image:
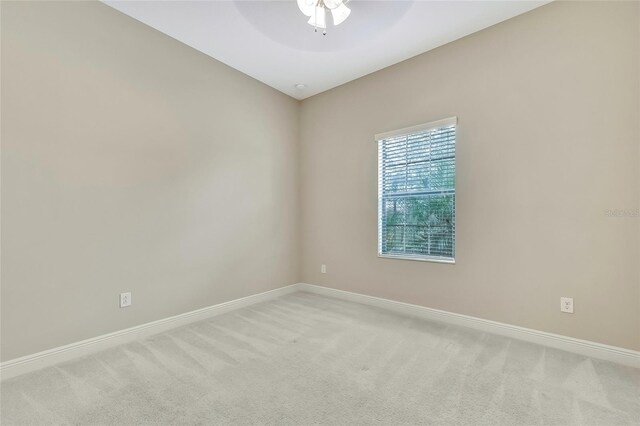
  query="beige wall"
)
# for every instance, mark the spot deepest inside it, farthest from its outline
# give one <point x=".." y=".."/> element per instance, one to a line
<point x="131" y="162"/>
<point x="548" y="140"/>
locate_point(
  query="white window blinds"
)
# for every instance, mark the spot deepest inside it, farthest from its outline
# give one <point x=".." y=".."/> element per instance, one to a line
<point x="416" y="192"/>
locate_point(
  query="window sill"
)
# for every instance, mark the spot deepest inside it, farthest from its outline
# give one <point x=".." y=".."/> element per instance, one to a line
<point x="419" y="259"/>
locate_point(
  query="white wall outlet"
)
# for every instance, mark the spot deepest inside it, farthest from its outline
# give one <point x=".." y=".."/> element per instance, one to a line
<point x="323" y="269"/>
<point x="125" y="299"/>
<point x="566" y="304"/>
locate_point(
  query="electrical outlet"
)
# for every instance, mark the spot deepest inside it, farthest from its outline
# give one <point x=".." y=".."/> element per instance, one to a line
<point x="566" y="305"/>
<point x="323" y="269"/>
<point x="125" y="300"/>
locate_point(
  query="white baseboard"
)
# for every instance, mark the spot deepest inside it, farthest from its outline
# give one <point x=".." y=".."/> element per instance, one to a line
<point x="570" y="344"/>
<point x="26" y="364"/>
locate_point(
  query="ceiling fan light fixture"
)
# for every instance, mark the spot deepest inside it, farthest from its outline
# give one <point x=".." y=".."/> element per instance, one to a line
<point x="318" y="18"/>
<point x="316" y="10"/>
<point x="332" y="4"/>
<point x="340" y="13"/>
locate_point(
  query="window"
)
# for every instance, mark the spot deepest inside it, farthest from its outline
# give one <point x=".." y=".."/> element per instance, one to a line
<point x="416" y="192"/>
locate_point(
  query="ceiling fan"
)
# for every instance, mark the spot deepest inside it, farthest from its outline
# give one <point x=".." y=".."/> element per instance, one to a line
<point x="316" y="10"/>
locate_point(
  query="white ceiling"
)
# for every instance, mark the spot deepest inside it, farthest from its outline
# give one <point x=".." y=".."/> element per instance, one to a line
<point x="271" y="41"/>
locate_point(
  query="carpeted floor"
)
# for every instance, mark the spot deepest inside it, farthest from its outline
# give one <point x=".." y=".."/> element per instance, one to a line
<point x="306" y="359"/>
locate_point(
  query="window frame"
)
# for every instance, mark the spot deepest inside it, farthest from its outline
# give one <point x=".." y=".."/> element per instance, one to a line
<point x="379" y="138"/>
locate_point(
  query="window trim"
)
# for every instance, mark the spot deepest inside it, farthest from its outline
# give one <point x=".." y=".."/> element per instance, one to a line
<point x="405" y="132"/>
<point x="451" y="121"/>
<point x="433" y="259"/>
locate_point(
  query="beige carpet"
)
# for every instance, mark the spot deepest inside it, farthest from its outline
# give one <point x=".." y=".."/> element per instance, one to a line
<point x="307" y="359"/>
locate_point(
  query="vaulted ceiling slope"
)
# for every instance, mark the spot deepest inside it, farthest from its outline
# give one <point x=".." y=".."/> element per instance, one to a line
<point x="272" y="42"/>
